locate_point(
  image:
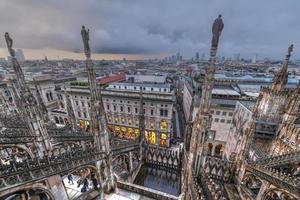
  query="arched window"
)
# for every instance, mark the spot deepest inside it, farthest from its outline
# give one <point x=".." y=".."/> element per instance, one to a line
<point x="210" y="147"/>
<point x="48" y="97"/>
<point x="56" y="119"/>
<point x="219" y="150"/>
<point x="61" y="121"/>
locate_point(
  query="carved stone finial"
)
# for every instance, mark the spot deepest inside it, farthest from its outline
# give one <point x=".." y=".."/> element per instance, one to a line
<point x="9" y="43"/>
<point x="217" y="28"/>
<point x="85" y="38"/>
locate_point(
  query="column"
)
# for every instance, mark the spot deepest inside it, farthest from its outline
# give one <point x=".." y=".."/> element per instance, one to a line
<point x="130" y="162"/>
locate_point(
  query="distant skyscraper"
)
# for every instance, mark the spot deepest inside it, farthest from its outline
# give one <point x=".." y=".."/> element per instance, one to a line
<point x="197" y="56"/>
<point x="178" y="56"/>
<point x="236" y="57"/>
<point x="20" y="55"/>
<point x="203" y="56"/>
<point x="254" y="59"/>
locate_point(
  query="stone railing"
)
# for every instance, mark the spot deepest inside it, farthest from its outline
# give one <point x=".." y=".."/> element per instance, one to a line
<point x="124" y="147"/>
<point x="291" y="157"/>
<point x="154" y="194"/>
<point x="69" y="135"/>
<point x="167" y="158"/>
<point x="15" y="136"/>
<point x="275" y="177"/>
<point x="22" y="135"/>
<point x="36" y="169"/>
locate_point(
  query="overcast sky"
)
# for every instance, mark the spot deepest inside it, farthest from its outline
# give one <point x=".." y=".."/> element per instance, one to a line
<point x="265" y="27"/>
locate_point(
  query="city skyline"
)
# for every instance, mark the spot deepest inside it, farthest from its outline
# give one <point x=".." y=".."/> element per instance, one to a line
<point x="150" y="28"/>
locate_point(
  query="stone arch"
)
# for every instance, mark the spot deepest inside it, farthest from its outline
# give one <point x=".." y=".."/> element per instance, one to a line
<point x="20" y="146"/>
<point x="278" y="194"/>
<point x="252" y="183"/>
<point x="37" y="186"/>
<point x="94" y="169"/>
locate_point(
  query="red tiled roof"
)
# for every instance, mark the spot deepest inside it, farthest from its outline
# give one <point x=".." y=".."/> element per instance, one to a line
<point x="111" y="79"/>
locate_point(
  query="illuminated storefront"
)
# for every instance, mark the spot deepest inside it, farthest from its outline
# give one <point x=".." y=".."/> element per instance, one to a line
<point x="163" y="125"/>
<point x="124" y="132"/>
<point x="163" y="140"/>
<point x="150" y="137"/>
<point x="84" y="124"/>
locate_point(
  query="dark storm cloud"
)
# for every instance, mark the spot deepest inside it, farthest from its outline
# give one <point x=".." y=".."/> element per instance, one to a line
<point x="142" y="26"/>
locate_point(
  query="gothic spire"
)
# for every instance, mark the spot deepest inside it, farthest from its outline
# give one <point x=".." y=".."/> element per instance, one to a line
<point x="98" y="117"/>
<point x="202" y="123"/>
<point x="29" y="106"/>
<point x="280" y="79"/>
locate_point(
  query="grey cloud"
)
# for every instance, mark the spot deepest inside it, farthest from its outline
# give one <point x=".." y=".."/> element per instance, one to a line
<point x="135" y="27"/>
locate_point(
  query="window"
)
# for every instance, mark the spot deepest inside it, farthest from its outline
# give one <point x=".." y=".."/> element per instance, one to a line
<point x="230" y="114"/>
<point x="121" y="101"/>
<point x="115" y="108"/>
<point x="212" y="112"/>
<point x="85" y="115"/>
<point x="89" y="105"/>
<point x="125" y="87"/>
<point x="144" y="111"/>
<point x="166" y="113"/>
<point x="79" y="114"/>
<point x="152" y="112"/>
<point x="216" y="119"/>
<point x="76" y="102"/>
<point x="218" y="112"/>
<point x="114" y="100"/>
<point x="161" y="111"/>
<point x="165" y="90"/>
<point x="82" y="103"/>
<point x="107" y="106"/>
<point x="136" y="110"/>
<point x="106" y="99"/>
<point x="222" y="120"/>
<point x="114" y="86"/>
<point x="224" y="113"/>
<point x="128" y="109"/>
<point x="134" y="88"/>
<point x="151" y="104"/>
<point x="228" y="121"/>
<point x="121" y="108"/>
<point x="151" y="89"/>
<point x="81" y="97"/>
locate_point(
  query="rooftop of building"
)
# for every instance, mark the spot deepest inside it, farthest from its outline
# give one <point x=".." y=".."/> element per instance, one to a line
<point x="248" y="104"/>
<point x="111" y="79"/>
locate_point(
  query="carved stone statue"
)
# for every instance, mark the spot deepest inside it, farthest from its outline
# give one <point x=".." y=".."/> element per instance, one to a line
<point x="85" y="39"/>
<point x="9" y="43"/>
<point x="290" y="49"/>
<point x="216" y="30"/>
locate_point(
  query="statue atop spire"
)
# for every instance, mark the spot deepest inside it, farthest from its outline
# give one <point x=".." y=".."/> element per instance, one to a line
<point x="216" y="31"/>
<point x="85" y="38"/>
<point x="9" y="43"/>
<point x="290" y="50"/>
